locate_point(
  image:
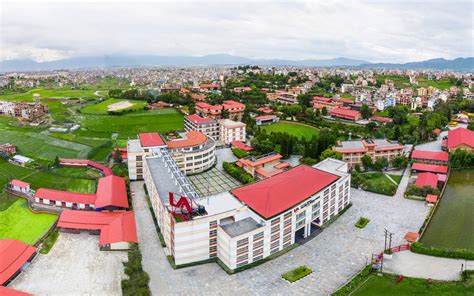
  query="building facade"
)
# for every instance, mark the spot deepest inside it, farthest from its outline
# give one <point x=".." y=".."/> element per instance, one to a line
<point x="231" y="131"/>
<point x="209" y="127"/>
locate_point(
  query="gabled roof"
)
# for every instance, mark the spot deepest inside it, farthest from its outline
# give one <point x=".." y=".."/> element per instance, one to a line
<point x="198" y="119"/>
<point x="151" y="139"/>
<point x="344" y="112"/>
<point x="460" y="136"/>
<point x="13" y="254"/>
<point x="19" y="183"/>
<point x="259" y="161"/>
<point x="111" y="191"/>
<point x="265" y="117"/>
<point x="114" y="226"/>
<point x="5" y="291"/>
<point x="430" y="155"/>
<point x="241" y="145"/>
<point x="429" y="168"/>
<point x="66" y="196"/>
<point x="279" y="193"/>
<point x="427" y="179"/>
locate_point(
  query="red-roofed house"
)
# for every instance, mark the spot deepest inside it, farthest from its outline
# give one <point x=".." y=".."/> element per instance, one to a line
<point x="460" y="138"/>
<point x="111" y="194"/>
<point x="123" y="153"/>
<point x="265" y="110"/>
<point x="151" y="140"/>
<point x="5" y="291"/>
<point x="430" y="157"/>
<point x="329" y="103"/>
<point x="423" y="167"/>
<point x="19" y="186"/>
<point x="8" y="149"/>
<point x="346" y="114"/>
<point x="263" y="166"/>
<point x="431" y="198"/>
<point x="207" y="126"/>
<point x="14" y="257"/>
<point x="427" y="179"/>
<point x="117" y="229"/>
<point x="106" y="171"/>
<point x="241" y="145"/>
<point x="266" y="119"/>
<point x="235" y="110"/>
<point x="275" y="195"/>
<point x="381" y="119"/>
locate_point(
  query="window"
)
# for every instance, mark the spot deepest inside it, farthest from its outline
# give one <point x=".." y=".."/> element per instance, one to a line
<point x="242" y="250"/>
<point x="242" y="264"/>
<point x="315" y="214"/>
<point x="275" y="236"/>
<point x="258" y="236"/>
<point x="274" y="251"/>
<point x="213" y="240"/>
<point x="316" y="206"/>
<point x="258" y="244"/>
<point x="299" y="223"/>
<point x="286" y="223"/>
<point x="139" y="158"/>
<point x="213" y="249"/>
<point x="213" y="255"/>
<point x="259" y="257"/>
<point x="300" y="215"/>
<point x="286" y="231"/>
<point x="213" y="232"/>
<point x="213" y="223"/>
<point x="274" y="245"/>
<point x="275" y="221"/>
<point x="139" y="164"/>
<point x="243" y="257"/>
<point x="275" y="228"/>
<point x="287" y="245"/>
<point x="287" y="215"/>
<point x="258" y="252"/>
<point x="242" y="242"/>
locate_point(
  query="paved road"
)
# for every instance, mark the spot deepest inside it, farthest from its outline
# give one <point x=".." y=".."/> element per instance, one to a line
<point x="422" y="266"/>
<point x="403" y="184"/>
<point x="335" y="255"/>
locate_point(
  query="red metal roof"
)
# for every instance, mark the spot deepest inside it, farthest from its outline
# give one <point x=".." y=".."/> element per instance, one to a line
<point x="427" y="179"/>
<point x="249" y="162"/>
<point x="13" y="254"/>
<point x="151" y="139"/>
<point x="66" y="196"/>
<point x="265" y="117"/>
<point x="460" y="136"/>
<point x="411" y="236"/>
<point x="198" y="119"/>
<point x="19" y="183"/>
<point x="345" y="113"/>
<point x="277" y="194"/>
<point x="381" y="119"/>
<point x="193" y="138"/>
<point x="240" y="145"/>
<point x="430" y="155"/>
<point x="429" y="168"/>
<point x="114" y="226"/>
<point x="5" y="291"/>
<point x="431" y="198"/>
<point x="111" y="191"/>
<point x="106" y="171"/>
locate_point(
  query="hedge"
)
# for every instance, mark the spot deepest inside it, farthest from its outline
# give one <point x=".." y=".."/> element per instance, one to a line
<point x="240" y="153"/>
<point x="49" y="242"/>
<point x="237" y="172"/>
<point x="419" y="248"/>
<point x="174" y="266"/>
<point x="297" y="273"/>
<point x="355" y="282"/>
<point x="138" y="279"/>
<point x="362" y="222"/>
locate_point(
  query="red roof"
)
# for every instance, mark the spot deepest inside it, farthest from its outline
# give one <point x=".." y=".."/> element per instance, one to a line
<point x="265" y="117"/>
<point x="114" y="226"/>
<point x="19" y="183"/>
<point x="5" y="291"/>
<point x="66" y="196"/>
<point x="151" y="139"/>
<point x="460" y="136"/>
<point x="381" y="119"/>
<point x="427" y="179"/>
<point x="411" y="236"/>
<point x="437" y="131"/>
<point x="198" y="119"/>
<point x="193" y="138"/>
<point x="14" y="254"/>
<point x="430" y="155"/>
<point x="344" y="113"/>
<point x="431" y="198"/>
<point x="240" y="145"/>
<point x="111" y="191"/>
<point x="277" y="194"/>
<point x="260" y="161"/>
<point x="322" y="99"/>
<point x="429" y="168"/>
<point x="84" y="162"/>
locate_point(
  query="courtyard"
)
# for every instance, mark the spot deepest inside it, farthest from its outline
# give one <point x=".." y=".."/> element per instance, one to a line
<point x="213" y="181"/>
<point x="335" y="255"/>
<point x="74" y="266"/>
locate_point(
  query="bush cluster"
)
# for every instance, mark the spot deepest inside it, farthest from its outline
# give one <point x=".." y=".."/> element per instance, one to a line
<point x="362" y="222"/>
<point x="297" y="273"/>
<point x="421" y="191"/>
<point x="137" y="282"/>
<point x="355" y="282"/>
<point x="239" y="153"/>
<point x="419" y="248"/>
<point x="237" y="172"/>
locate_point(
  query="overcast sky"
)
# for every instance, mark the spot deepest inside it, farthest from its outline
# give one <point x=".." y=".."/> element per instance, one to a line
<point x="395" y="31"/>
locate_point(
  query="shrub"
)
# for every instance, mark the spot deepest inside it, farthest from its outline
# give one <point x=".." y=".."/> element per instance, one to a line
<point x="49" y="242"/>
<point x="355" y="282"/>
<point x="419" y="248"/>
<point x="297" y="274"/>
<point x="137" y="282"/>
<point x="239" y="153"/>
<point x="421" y="191"/>
<point x="308" y="161"/>
<point x="237" y="172"/>
<point x="362" y="222"/>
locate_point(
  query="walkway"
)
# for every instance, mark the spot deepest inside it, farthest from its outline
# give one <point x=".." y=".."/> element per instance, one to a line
<point x="423" y="266"/>
<point x="335" y="255"/>
<point x="403" y="184"/>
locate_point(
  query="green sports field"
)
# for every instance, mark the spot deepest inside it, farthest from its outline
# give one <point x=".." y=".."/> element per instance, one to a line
<point x="18" y="222"/>
<point x="102" y="107"/>
<point x="296" y="129"/>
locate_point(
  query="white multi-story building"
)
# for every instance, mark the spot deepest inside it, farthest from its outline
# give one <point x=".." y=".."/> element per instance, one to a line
<point x="231" y="131"/>
<point x="207" y="126"/>
<point x="248" y="223"/>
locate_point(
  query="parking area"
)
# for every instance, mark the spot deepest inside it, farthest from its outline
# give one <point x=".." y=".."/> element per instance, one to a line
<point x="213" y="181"/>
<point x="74" y="266"/>
<point x="335" y="255"/>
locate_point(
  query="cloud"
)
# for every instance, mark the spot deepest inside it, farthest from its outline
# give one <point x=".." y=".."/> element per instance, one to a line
<point x="385" y="31"/>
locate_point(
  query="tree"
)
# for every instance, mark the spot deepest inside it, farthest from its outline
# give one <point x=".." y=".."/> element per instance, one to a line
<point x="380" y="163"/>
<point x="225" y="113"/>
<point x="367" y="162"/>
<point x="330" y="153"/>
<point x="324" y="111"/>
<point x="117" y="156"/>
<point x="56" y="161"/>
<point x="365" y="111"/>
<point x="399" y="162"/>
<point x="371" y="126"/>
<point x="304" y="100"/>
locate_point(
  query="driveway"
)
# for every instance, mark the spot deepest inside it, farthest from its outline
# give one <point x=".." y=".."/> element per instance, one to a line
<point x="74" y="266"/>
<point x="335" y="255"/>
<point x="422" y="266"/>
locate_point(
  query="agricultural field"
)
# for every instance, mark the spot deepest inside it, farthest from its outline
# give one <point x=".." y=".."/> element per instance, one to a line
<point x="452" y="225"/>
<point x="387" y="285"/>
<point x="128" y="125"/>
<point x="439" y="84"/>
<point x="296" y="129"/>
<point x="49" y="93"/>
<point x="108" y="105"/>
<point x="399" y="81"/>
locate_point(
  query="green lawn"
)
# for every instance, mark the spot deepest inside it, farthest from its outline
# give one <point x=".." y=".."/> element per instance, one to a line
<point x="50" y="93"/>
<point x="296" y="129"/>
<point x="76" y="172"/>
<point x="452" y="225"/>
<point x="396" y="178"/>
<point x="378" y="183"/>
<point x="439" y="84"/>
<point x="19" y="223"/>
<point x="102" y="107"/>
<point x="399" y="81"/>
<point x="386" y="285"/>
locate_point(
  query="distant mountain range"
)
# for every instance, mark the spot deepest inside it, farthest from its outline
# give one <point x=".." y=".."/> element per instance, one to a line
<point x="459" y="64"/>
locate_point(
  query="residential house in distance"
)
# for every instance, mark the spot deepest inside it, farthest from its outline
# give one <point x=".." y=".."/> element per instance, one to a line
<point x="353" y="151"/>
<point x="283" y="97"/>
<point x="235" y="110"/>
<point x="8" y="149"/>
<point x="346" y="114"/>
<point x="23" y="110"/>
<point x="263" y="166"/>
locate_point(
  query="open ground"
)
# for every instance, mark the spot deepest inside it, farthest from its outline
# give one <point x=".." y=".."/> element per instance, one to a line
<point x="293" y="128"/>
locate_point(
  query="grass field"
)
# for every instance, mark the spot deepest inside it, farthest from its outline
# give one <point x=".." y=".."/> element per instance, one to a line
<point x="76" y="172"/>
<point x="296" y="129"/>
<point x="102" y="107"/>
<point x="378" y="183"/>
<point x="129" y="125"/>
<point x="439" y="84"/>
<point x="386" y="285"/>
<point x="399" y="81"/>
<point x="452" y="225"/>
<point x="19" y="223"/>
<point x="50" y="93"/>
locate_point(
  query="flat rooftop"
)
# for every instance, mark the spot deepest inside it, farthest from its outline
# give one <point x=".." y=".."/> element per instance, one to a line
<point x="162" y="177"/>
<point x="357" y="144"/>
<point x="334" y="166"/>
<point x="134" y="146"/>
<point x="240" y="227"/>
<point x="219" y="203"/>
